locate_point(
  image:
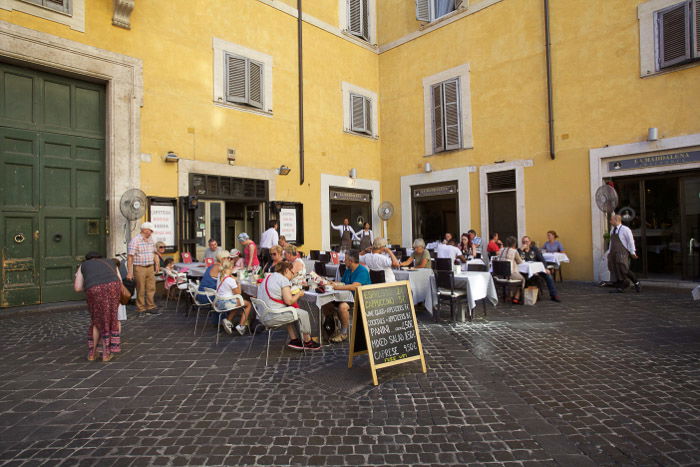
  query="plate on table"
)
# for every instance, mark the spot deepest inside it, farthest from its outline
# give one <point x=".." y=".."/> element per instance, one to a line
<point x="408" y="268"/>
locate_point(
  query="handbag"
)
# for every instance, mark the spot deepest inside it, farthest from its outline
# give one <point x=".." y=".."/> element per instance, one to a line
<point x="124" y="295"/>
<point x="531" y="295"/>
<point x="329" y="325"/>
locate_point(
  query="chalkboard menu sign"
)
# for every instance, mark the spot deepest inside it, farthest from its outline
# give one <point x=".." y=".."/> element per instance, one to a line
<point x="388" y="330"/>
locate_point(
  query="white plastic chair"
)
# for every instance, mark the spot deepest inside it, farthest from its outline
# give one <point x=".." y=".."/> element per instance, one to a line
<point x="261" y="309"/>
<point x="180" y="283"/>
<point x="211" y="296"/>
<point x="193" y="290"/>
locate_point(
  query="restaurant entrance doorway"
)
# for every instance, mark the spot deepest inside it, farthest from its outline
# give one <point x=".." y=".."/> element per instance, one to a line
<point x="435" y="210"/>
<point x="356" y="206"/>
<point x="663" y="212"/>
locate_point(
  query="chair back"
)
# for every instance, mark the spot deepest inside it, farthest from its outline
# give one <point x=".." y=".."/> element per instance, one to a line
<point x="209" y="262"/>
<point x="501" y="268"/>
<point x="433" y="254"/>
<point x="477" y="267"/>
<point x="320" y="268"/>
<point x="444" y="280"/>
<point x="443" y="264"/>
<point x="341" y="269"/>
<point x="313" y="254"/>
<point x="186" y="257"/>
<point x="401" y="252"/>
<point x="377" y="277"/>
<point x="324" y="258"/>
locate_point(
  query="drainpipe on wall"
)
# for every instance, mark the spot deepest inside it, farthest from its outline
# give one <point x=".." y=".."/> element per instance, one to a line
<point x="548" y="48"/>
<point x="301" y="94"/>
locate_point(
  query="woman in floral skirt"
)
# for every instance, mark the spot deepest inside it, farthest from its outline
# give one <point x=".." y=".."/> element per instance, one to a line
<point x="102" y="285"/>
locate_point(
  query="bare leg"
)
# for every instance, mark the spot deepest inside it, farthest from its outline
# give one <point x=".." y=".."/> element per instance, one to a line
<point x="344" y="315"/>
<point x="291" y="331"/>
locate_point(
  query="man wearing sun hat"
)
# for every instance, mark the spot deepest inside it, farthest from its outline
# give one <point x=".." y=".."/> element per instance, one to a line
<point x="141" y="266"/>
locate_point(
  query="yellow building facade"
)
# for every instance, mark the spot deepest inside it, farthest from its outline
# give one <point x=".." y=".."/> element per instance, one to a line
<point x="216" y="84"/>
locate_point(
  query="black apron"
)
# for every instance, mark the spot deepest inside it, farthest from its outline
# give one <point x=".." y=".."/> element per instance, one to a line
<point x="618" y="260"/>
<point x="346" y="239"/>
<point x="365" y="241"/>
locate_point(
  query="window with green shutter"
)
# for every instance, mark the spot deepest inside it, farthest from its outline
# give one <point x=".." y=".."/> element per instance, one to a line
<point x="361" y="114"/>
<point x="244" y="81"/>
<point x="62" y="6"/>
<point x="446" y="120"/>
<point x="678" y="34"/>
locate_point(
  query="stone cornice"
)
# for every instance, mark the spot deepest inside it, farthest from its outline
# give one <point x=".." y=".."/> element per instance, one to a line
<point x="122" y="13"/>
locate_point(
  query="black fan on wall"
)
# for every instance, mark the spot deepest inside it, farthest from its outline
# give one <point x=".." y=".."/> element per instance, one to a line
<point x="133" y="207"/>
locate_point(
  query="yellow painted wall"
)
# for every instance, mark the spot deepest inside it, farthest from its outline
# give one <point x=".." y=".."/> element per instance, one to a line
<point x="599" y="99"/>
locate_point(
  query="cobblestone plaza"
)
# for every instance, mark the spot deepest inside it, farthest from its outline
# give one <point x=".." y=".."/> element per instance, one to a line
<point x="600" y="379"/>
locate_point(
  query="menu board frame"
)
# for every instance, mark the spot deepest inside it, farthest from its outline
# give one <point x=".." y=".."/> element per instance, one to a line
<point x="361" y="342"/>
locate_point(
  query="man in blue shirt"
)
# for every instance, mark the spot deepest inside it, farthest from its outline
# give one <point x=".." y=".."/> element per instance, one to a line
<point x="356" y="275"/>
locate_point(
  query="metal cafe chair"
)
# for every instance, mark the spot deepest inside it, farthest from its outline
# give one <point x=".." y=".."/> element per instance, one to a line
<point x="445" y="281"/>
<point x="377" y="277"/>
<point x="324" y="258"/>
<point x="261" y="309"/>
<point x="501" y="276"/>
<point x="211" y="296"/>
<point x="443" y="264"/>
<point x="193" y="290"/>
<point x="320" y="268"/>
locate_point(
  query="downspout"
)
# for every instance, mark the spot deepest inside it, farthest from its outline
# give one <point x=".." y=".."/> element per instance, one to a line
<point x="548" y="48"/>
<point x="301" y="94"/>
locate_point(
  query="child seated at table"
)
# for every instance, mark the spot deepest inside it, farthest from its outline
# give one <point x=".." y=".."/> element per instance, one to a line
<point x="226" y="299"/>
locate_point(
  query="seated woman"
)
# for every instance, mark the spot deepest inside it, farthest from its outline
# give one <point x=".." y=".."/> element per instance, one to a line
<point x="276" y="291"/>
<point x="380" y="258"/>
<point x="225" y="300"/>
<point x="420" y="258"/>
<point x="160" y="251"/>
<point x="510" y="253"/>
<point x="276" y="257"/>
<point x="283" y="241"/>
<point x="210" y="278"/>
<point x="466" y="246"/>
<point x="552" y="245"/>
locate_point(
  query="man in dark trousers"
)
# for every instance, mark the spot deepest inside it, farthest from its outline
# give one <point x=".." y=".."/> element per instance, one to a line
<point x="619" y="252"/>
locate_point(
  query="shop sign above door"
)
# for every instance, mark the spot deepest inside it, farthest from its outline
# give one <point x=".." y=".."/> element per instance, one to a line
<point x="350" y="196"/>
<point x="654" y="161"/>
<point x="435" y="191"/>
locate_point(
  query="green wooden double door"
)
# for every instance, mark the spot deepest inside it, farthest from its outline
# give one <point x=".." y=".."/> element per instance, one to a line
<point x="52" y="183"/>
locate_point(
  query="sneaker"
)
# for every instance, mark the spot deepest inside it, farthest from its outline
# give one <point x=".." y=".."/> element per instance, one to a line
<point x="153" y="311"/>
<point x="228" y="326"/>
<point x="295" y="344"/>
<point x="556" y="299"/>
<point x="311" y="345"/>
<point x="339" y="338"/>
<point x="241" y="329"/>
<point x="637" y="286"/>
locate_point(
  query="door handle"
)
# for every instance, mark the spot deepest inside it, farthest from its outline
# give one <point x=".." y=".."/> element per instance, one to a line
<point x="19" y="238"/>
<point x="690" y="246"/>
<point x="36" y="235"/>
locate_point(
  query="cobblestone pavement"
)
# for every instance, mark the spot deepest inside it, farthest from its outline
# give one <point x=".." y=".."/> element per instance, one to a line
<point x="600" y="379"/>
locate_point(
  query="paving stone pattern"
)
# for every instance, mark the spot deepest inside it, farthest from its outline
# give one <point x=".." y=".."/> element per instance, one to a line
<point x="600" y="379"/>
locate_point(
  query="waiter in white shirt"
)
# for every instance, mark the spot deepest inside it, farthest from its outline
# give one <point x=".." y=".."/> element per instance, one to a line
<point x="269" y="238"/>
<point x="449" y="250"/>
<point x="347" y="234"/>
<point x="619" y="252"/>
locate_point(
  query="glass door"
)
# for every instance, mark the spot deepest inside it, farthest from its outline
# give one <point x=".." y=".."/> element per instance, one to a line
<point x="209" y="219"/>
<point x="690" y="241"/>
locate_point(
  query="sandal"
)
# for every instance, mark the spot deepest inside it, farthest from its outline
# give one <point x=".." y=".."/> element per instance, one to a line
<point x="91" y="356"/>
<point x="107" y="358"/>
<point x="516" y="301"/>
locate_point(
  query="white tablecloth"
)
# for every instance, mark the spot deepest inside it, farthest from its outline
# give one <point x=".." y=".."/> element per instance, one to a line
<point x="422" y="285"/>
<point x="479" y="285"/>
<point x="530" y="268"/>
<point x="194" y="270"/>
<point x="556" y="258"/>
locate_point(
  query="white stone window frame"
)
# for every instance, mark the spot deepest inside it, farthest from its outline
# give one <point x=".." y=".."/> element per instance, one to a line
<point x="648" y="39"/>
<point x="347" y="90"/>
<point x="75" y="19"/>
<point x="518" y="166"/>
<point x="344" y="26"/>
<point x="465" y="109"/>
<point x="221" y="49"/>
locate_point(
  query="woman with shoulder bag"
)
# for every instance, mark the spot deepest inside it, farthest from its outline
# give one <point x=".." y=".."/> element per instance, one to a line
<point x="102" y="285"/>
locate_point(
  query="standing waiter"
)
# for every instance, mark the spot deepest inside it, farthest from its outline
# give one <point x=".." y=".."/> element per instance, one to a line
<point x="269" y="238"/>
<point x="619" y="252"/>
<point x="347" y="234"/>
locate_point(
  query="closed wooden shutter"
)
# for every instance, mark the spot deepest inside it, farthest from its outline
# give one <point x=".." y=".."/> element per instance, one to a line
<point x="359" y="108"/>
<point x="500" y="181"/>
<point x="451" y="110"/>
<point x="673" y="25"/>
<point x="423" y="10"/>
<point x="696" y="21"/>
<point x="365" y="20"/>
<point x="368" y="115"/>
<point x="438" y="118"/>
<point x="236" y="80"/>
<point x="255" y="80"/>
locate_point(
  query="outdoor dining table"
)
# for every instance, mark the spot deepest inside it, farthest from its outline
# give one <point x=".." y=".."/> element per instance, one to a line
<point x="479" y="285"/>
<point x="422" y="283"/>
<point x="556" y="258"/>
<point x="309" y="301"/>
<point x="530" y="268"/>
<point x="193" y="270"/>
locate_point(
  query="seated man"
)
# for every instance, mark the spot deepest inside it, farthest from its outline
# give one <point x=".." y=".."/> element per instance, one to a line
<point x="356" y="275"/>
<point x="213" y="250"/>
<point x="420" y="258"/>
<point x="450" y="250"/>
<point x="529" y="252"/>
<point x="476" y="241"/>
<point x="380" y="258"/>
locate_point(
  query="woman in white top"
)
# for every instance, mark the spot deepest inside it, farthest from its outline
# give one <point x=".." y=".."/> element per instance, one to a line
<point x="380" y="259"/>
<point x="510" y="253"/>
<point x="225" y="299"/>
